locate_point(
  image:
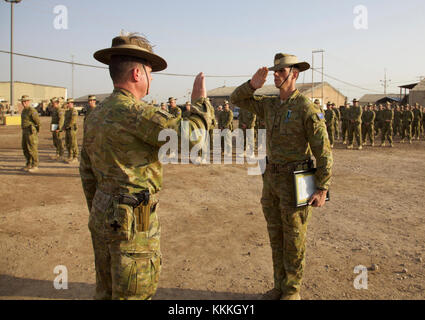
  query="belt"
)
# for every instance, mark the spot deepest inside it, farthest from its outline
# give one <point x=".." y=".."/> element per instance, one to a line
<point x="287" y="167"/>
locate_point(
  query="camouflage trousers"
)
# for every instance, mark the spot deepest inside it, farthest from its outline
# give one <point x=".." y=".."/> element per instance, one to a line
<point x="355" y="129"/>
<point x="344" y="129"/>
<point x="249" y="139"/>
<point x="416" y="129"/>
<point x="368" y="132"/>
<point x="287" y="228"/>
<point x="331" y="133"/>
<point x="336" y="126"/>
<point x="406" y="131"/>
<point x="30" y="146"/>
<point x="387" y="133"/>
<point x="125" y="269"/>
<point x="397" y="128"/>
<point x="71" y="143"/>
<point x="58" y="142"/>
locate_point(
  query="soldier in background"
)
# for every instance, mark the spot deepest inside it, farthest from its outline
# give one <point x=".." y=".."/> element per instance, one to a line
<point x="378" y="119"/>
<point x="226" y="122"/>
<point x="330" y="122"/>
<point x="164" y="106"/>
<point x="247" y="125"/>
<point x="296" y="130"/>
<point x="417" y="119"/>
<point x="397" y="121"/>
<point x="368" y="120"/>
<point x="92" y="105"/>
<point x="345" y="119"/>
<point x="30" y="123"/>
<point x="423" y="121"/>
<point x="56" y="127"/>
<point x="355" y="129"/>
<point x="70" y="127"/>
<point x="406" y="121"/>
<point x="337" y="120"/>
<point x="173" y="109"/>
<point x="387" y="117"/>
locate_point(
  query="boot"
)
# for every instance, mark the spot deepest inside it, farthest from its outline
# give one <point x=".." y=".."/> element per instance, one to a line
<point x="350" y="146"/>
<point x="273" y="294"/>
<point x="360" y="148"/>
<point x="294" y="296"/>
<point x="26" y="168"/>
<point x="33" y="169"/>
<point x="383" y="144"/>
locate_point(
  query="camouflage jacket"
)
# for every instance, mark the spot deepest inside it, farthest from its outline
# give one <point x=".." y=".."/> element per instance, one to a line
<point x="120" y="145"/>
<point x="345" y="114"/>
<point x="88" y="111"/>
<point x="355" y="114"/>
<point x="407" y="116"/>
<point x="387" y="115"/>
<point x="295" y="129"/>
<point x="417" y="115"/>
<point x="226" y="119"/>
<point x="337" y="113"/>
<point x="71" y="116"/>
<point x="30" y="118"/>
<point x="58" y="117"/>
<point x="246" y="118"/>
<point x="176" y="112"/>
<point x="397" y="116"/>
<point x="368" y="117"/>
<point x="330" y="117"/>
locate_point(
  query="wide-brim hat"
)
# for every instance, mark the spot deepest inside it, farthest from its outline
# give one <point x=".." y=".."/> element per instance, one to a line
<point x="283" y="60"/>
<point x="133" y="46"/>
<point x="25" y="98"/>
<point x="355" y="100"/>
<point x="91" y="97"/>
<point x="70" y="100"/>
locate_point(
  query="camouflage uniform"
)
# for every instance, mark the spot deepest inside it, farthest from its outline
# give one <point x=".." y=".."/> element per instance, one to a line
<point x="368" y="120"/>
<point x="345" y="118"/>
<point x="337" y="121"/>
<point x="30" y="123"/>
<point x="330" y="118"/>
<point x="176" y="112"/>
<point x="397" y="121"/>
<point x="417" y="119"/>
<point x="407" y="119"/>
<point x="58" y="119"/>
<point x="387" y="117"/>
<point x="248" y="119"/>
<point x="70" y="125"/>
<point x="355" y="129"/>
<point x="120" y="157"/>
<point x="295" y="127"/>
<point x="378" y="121"/>
<point x="226" y="121"/>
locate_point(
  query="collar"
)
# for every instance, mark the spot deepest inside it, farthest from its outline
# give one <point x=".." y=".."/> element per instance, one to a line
<point x="292" y="97"/>
<point x="124" y="92"/>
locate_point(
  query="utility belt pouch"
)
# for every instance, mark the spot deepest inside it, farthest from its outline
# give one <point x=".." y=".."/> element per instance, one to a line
<point x="119" y="221"/>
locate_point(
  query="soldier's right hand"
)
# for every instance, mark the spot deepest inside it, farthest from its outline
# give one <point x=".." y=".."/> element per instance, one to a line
<point x="259" y="78"/>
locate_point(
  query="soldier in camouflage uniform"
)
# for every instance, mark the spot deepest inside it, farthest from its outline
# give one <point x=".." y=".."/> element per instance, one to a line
<point x="119" y="165"/>
<point x="337" y="120"/>
<point x="58" y="117"/>
<point x="30" y="123"/>
<point x="330" y="118"/>
<point x="247" y="125"/>
<point x="416" y="124"/>
<point x="226" y="122"/>
<point x="173" y="109"/>
<point x="345" y="119"/>
<point x="295" y="128"/>
<point x="406" y="122"/>
<point x="368" y="120"/>
<point x="70" y="127"/>
<point x="355" y="129"/>
<point x="378" y="119"/>
<point x="387" y="117"/>
<point x="92" y="105"/>
<point x="397" y="121"/>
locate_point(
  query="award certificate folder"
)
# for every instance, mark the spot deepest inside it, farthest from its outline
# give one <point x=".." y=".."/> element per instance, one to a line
<point x="54" y="127"/>
<point x="305" y="186"/>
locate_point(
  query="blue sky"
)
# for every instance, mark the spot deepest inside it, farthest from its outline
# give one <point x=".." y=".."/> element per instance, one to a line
<point x="230" y="37"/>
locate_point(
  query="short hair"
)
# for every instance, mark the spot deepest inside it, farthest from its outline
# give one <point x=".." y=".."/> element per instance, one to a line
<point x="120" y="66"/>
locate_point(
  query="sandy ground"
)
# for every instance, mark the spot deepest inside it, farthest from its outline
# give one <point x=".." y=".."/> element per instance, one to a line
<point x="214" y="239"/>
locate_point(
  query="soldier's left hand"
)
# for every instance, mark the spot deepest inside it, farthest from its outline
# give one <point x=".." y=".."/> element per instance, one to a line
<point x="199" y="88"/>
<point x="318" y="199"/>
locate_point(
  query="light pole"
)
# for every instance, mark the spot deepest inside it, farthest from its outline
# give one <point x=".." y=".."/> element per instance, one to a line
<point x="12" y="2"/>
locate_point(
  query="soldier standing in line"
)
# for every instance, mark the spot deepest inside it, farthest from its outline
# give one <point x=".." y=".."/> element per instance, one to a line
<point x="378" y="119"/>
<point x="247" y="124"/>
<point x="92" y="105"/>
<point x="423" y="121"/>
<point x="296" y="128"/>
<point x="226" y="119"/>
<point x="407" y="119"/>
<point x="397" y="121"/>
<point x="70" y="127"/>
<point x="417" y="119"/>
<point x="387" y="117"/>
<point x="174" y="109"/>
<point x="121" y="179"/>
<point x="368" y="119"/>
<point x="345" y="118"/>
<point x="30" y="123"/>
<point x="164" y="106"/>
<point x="330" y="122"/>
<point x="56" y="127"/>
<point x="355" y="129"/>
<point x="337" y="120"/>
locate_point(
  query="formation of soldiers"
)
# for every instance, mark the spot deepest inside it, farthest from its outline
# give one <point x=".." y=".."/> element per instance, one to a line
<point x="63" y="127"/>
<point x="365" y="123"/>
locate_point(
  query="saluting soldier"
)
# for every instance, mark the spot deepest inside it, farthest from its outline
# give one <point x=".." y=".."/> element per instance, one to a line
<point x="355" y="129"/>
<point x="70" y="127"/>
<point x="30" y="123"/>
<point x="295" y="129"/>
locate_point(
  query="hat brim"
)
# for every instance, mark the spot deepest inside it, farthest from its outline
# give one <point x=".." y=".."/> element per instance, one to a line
<point x="302" y="66"/>
<point x="104" y="56"/>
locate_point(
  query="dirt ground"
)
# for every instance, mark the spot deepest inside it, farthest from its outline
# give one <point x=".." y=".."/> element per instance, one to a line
<point x="214" y="239"/>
